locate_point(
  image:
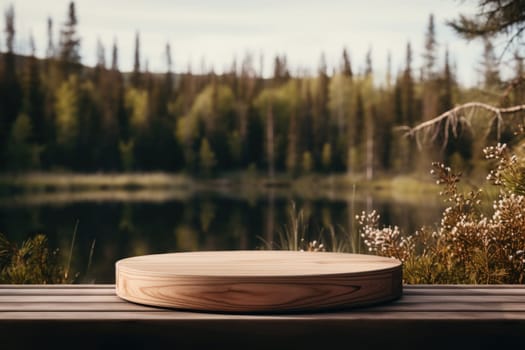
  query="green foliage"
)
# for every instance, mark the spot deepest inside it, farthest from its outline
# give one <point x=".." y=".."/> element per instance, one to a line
<point x="210" y="117"/>
<point x="326" y="157"/>
<point x="127" y="157"/>
<point x="30" y="263"/>
<point x="22" y="154"/>
<point x="79" y="114"/>
<point x="136" y="102"/>
<point x="493" y="17"/>
<point x="206" y="157"/>
<point x="307" y="163"/>
<point x="67" y="112"/>
<point x="235" y="147"/>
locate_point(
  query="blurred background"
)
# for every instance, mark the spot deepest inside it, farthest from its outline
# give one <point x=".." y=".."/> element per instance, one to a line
<point x="135" y="127"/>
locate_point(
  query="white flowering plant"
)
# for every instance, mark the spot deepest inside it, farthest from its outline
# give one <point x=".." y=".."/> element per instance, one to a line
<point x="469" y="245"/>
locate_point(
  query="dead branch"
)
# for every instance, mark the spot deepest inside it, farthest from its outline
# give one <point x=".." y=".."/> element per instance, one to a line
<point x="453" y="118"/>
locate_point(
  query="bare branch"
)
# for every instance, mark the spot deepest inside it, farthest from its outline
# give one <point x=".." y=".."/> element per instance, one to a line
<point x="453" y="119"/>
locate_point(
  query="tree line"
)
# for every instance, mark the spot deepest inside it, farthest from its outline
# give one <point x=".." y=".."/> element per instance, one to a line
<point x="57" y="114"/>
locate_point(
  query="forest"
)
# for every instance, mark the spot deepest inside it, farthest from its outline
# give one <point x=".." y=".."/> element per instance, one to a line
<point x="57" y="114"/>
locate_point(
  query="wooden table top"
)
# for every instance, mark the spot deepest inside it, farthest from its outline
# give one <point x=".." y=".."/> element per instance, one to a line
<point x="425" y="317"/>
<point x="419" y="302"/>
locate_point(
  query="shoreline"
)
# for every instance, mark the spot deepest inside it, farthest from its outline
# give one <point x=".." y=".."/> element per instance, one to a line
<point x="157" y="187"/>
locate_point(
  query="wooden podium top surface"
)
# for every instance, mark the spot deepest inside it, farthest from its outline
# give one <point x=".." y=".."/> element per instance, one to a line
<point x="256" y="263"/>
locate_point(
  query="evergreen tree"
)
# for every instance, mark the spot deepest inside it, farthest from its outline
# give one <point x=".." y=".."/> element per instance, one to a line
<point x="368" y="63"/>
<point x="67" y="113"/>
<point x="347" y="68"/>
<point x="21" y="153"/>
<point x="388" y="77"/>
<point x="50" y="50"/>
<point x="69" y="50"/>
<point x="33" y="102"/>
<point x="494" y="17"/>
<point x="280" y="70"/>
<point x="357" y="129"/>
<point x="321" y="117"/>
<point x="408" y="100"/>
<point x="404" y="107"/>
<point x="169" y="72"/>
<point x="206" y="158"/>
<point x="429" y="55"/>
<point x="10" y="89"/>
<point x="326" y="157"/>
<point x="136" y="76"/>
<point x="489" y="66"/>
<point x="101" y="55"/>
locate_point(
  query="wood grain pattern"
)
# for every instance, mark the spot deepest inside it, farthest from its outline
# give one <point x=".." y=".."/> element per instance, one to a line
<point x="425" y="317"/>
<point x="258" y="281"/>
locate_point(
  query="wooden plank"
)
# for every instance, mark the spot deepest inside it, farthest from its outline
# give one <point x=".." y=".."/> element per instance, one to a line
<point x="57" y="286"/>
<point x="258" y="281"/>
<point x="408" y="290"/>
<point x="405" y="300"/>
<point x="122" y="306"/>
<point x="426" y="317"/>
<point x="44" y="299"/>
<point x="60" y="298"/>
<point x="465" y="286"/>
<point x="190" y="317"/>
<point x="78" y="292"/>
<point x="475" y="298"/>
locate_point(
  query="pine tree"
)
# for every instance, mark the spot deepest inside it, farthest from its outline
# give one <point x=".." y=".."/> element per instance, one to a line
<point x="357" y="130"/>
<point x="492" y="18"/>
<point x="326" y="157"/>
<point x="429" y="55"/>
<point x="33" y="103"/>
<point x="67" y="119"/>
<point x="114" y="56"/>
<point x="270" y="140"/>
<point x="10" y="89"/>
<point x="69" y="50"/>
<point x="321" y="117"/>
<point x="490" y="70"/>
<point x="169" y="72"/>
<point x="388" y="77"/>
<point x="347" y="68"/>
<point x="404" y="109"/>
<point x="280" y="70"/>
<point x="50" y="50"/>
<point x="21" y="153"/>
<point x="206" y="158"/>
<point x="408" y="99"/>
<point x="136" y="76"/>
<point x="101" y="55"/>
<point x="368" y="63"/>
<point x="100" y="66"/>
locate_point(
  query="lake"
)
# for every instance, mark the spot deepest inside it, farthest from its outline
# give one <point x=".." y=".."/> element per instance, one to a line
<point x="117" y="224"/>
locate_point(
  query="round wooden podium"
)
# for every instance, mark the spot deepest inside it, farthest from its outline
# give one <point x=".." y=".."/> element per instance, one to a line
<point x="258" y="281"/>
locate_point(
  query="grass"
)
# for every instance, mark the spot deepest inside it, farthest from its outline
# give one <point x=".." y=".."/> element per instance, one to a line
<point x="38" y="181"/>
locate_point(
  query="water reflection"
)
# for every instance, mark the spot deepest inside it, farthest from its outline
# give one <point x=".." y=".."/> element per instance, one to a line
<point x="133" y="223"/>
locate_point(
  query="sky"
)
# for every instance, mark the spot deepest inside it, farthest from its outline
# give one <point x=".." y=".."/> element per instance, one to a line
<point x="211" y="33"/>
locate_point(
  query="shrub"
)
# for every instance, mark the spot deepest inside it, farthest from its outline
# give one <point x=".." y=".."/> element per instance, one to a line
<point x="468" y="246"/>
